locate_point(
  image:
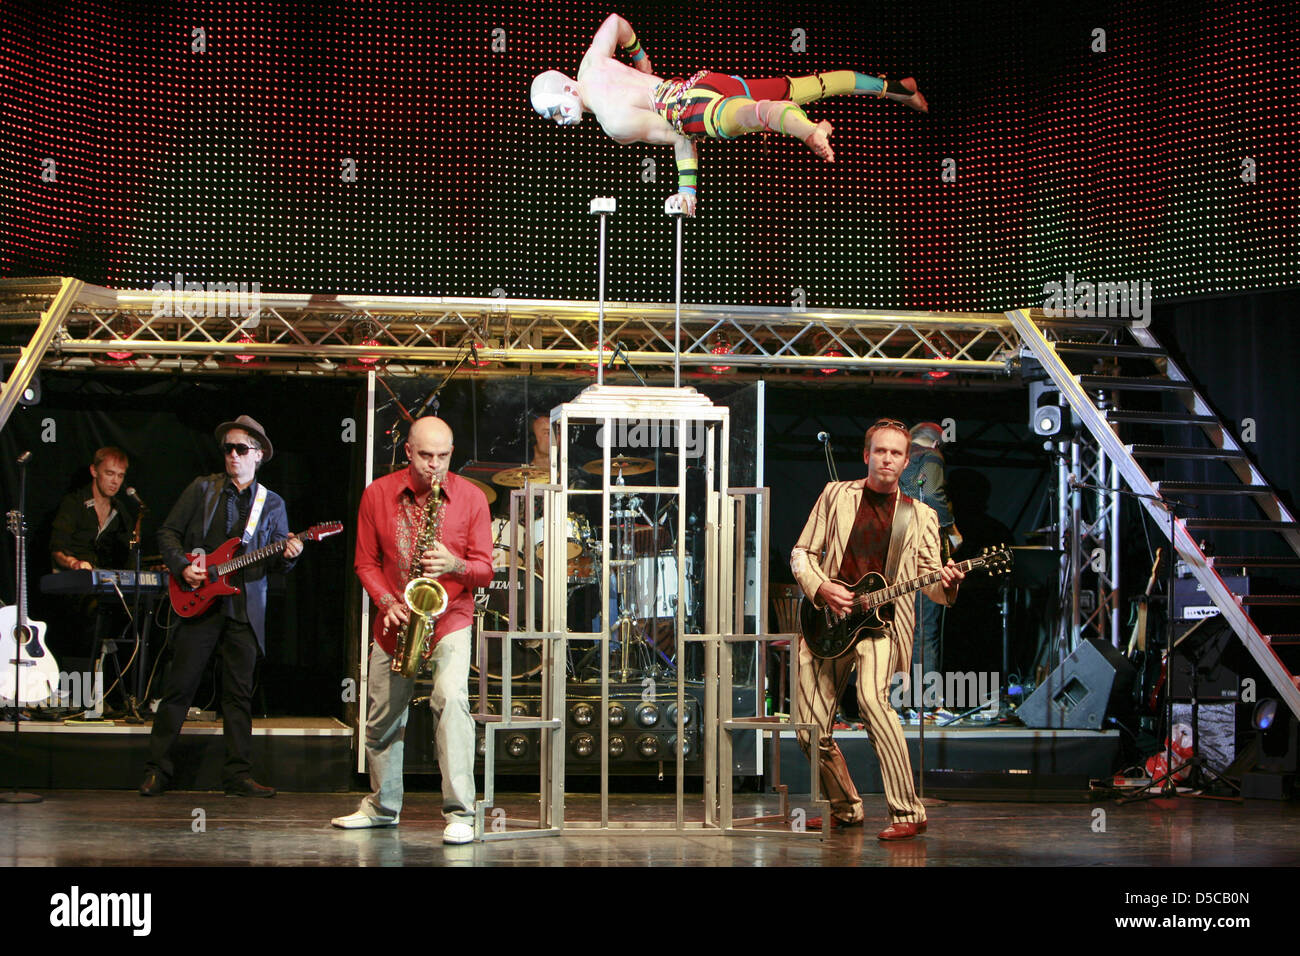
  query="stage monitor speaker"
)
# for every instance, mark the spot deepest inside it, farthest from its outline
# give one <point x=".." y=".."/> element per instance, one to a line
<point x="1091" y="683"/>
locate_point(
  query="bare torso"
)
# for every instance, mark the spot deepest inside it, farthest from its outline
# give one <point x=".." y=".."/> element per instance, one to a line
<point x="620" y="99"/>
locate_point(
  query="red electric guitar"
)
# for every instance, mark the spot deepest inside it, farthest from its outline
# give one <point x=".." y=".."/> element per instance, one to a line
<point x="221" y="563"/>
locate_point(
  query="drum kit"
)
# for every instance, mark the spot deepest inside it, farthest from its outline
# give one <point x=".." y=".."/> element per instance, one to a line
<point x="643" y="587"/>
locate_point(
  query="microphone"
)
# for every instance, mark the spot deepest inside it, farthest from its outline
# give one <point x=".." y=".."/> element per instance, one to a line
<point x="130" y="493"/>
<point x="823" y="437"/>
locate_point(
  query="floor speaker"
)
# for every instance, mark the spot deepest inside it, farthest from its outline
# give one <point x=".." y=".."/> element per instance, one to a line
<point x="1094" y="681"/>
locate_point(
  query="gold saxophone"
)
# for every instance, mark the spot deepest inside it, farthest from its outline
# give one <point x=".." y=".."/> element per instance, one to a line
<point x="425" y="597"/>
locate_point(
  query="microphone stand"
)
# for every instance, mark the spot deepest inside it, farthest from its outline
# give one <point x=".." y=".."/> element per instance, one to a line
<point x="15" y="795"/>
<point x="618" y="352"/>
<point x="830" y="456"/>
<point x="133" y="699"/>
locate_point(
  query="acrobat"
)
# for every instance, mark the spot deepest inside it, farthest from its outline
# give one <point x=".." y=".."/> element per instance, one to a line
<point x="632" y="105"/>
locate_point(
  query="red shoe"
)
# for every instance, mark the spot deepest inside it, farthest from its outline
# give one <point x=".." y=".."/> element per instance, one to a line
<point x="815" y="823"/>
<point x="902" y="831"/>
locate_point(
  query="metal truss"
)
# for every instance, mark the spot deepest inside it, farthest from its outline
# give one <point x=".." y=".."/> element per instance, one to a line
<point x="233" y="330"/>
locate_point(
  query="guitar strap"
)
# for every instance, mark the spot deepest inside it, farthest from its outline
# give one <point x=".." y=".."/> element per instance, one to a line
<point x="254" y="515"/>
<point x="903" y="511"/>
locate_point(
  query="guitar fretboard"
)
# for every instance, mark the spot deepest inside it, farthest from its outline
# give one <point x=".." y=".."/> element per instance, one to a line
<point x="885" y="595"/>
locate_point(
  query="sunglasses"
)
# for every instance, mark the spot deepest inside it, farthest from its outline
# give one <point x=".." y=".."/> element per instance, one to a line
<point x="239" y="448"/>
<point x="889" y="423"/>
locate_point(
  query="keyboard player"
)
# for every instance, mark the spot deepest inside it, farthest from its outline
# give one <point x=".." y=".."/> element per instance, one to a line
<point x="91" y="528"/>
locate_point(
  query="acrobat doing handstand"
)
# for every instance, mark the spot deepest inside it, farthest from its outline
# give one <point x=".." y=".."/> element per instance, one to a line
<point x="632" y="105"/>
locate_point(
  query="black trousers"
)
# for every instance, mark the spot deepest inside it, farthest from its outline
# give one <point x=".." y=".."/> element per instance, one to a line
<point x="192" y="648"/>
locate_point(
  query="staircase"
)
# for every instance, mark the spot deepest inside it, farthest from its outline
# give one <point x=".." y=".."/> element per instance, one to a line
<point x="1073" y="351"/>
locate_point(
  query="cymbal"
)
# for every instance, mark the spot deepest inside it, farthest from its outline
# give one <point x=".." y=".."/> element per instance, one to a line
<point x="484" y="487"/>
<point x="621" y="463"/>
<point x="515" y="477"/>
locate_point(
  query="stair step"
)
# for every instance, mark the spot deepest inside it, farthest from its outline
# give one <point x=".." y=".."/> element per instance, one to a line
<point x="1181" y="451"/>
<point x="1109" y="351"/>
<point x="1275" y="600"/>
<point x="1156" y="383"/>
<point x="1247" y="561"/>
<point x="1212" y="488"/>
<point x="1282" y="638"/>
<point x="1119" y="417"/>
<point x="1240" y="524"/>
<point x="1079" y="322"/>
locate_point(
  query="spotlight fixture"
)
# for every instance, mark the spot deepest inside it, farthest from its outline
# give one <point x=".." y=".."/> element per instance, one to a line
<point x="582" y="745"/>
<point x="516" y="745"/>
<point x="617" y="745"/>
<point x="831" y="353"/>
<point x="647" y="715"/>
<point x="582" y="714"/>
<point x="672" y="745"/>
<point x="648" y="746"/>
<point x="720" y="347"/>
<point x="1265" y="713"/>
<point x="617" y="714"/>
<point x="245" y="357"/>
<point x="670" y="715"/>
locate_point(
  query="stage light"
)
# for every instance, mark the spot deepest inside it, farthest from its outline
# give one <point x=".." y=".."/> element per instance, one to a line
<point x="648" y="746"/>
<point x="831" y="353"/>
<point x="516" y="745"/>
<point x="720" y="347"/>
<point x="582" y="745"/>
<point x="582" y="714"/>
<point x="647" y="715"/>
<point x="670" y="715"/>
<point x="617" y="745"/>
<point x="246" y="357"/>
<point x="617" y="714"/>
<point x="1265" y="713"/>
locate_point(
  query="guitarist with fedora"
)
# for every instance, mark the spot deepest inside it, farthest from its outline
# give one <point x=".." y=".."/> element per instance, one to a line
<point x="211" y="510"/>
<point x="858" y="527"/>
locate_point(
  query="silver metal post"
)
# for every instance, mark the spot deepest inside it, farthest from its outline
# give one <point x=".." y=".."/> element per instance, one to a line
<point x="601" y="206"/>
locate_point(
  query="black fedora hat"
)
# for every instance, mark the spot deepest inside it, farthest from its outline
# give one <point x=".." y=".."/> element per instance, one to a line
<point x="250" y="425"/>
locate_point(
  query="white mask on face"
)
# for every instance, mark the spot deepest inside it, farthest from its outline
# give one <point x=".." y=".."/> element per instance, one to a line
<point x="563" y="108"/>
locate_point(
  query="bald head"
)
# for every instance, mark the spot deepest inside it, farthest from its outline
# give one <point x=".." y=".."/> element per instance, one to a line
<point x="428" y="448"/>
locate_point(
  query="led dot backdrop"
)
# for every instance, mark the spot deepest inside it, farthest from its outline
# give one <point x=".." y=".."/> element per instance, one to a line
<point x="387" y="146"/>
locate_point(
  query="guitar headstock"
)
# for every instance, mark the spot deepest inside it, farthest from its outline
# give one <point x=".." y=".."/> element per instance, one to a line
<point x="323" y="530"/>
<point x="997" y="560"/>
<point x="14" y="520"/>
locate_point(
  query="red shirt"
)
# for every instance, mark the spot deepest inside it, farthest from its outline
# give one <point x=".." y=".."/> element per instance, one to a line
<point x="388" y="527"/>
<point x="868" y="545"/>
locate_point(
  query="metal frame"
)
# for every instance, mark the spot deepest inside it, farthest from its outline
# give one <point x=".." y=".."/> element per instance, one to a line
<point x="322" y="335"/>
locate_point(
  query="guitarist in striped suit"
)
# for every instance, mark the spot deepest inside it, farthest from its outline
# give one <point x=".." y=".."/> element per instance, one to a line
<point x="857" y="527"/>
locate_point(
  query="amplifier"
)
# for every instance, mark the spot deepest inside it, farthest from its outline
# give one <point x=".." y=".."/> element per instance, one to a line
<point x="1191" y="603"/>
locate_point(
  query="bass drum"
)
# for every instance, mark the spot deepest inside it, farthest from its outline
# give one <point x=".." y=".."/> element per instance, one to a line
<point x="493" y="606"/>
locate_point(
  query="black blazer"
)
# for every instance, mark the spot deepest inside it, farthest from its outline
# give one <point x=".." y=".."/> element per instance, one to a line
<point x="186" y="528"/>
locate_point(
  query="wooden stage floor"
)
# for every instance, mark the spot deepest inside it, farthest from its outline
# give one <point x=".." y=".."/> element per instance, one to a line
<point x="113" y="828"/>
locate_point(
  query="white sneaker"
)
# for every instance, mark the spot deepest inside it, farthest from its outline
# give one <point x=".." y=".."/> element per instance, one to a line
<point x="458" y="832"/>
<point x="363" y="821"/>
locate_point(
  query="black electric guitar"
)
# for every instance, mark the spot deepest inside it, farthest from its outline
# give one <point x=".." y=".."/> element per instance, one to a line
<point x="830" y="635"/>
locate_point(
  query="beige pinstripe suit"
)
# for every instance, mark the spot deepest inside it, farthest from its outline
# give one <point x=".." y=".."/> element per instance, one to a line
<point x="815" y="558"/>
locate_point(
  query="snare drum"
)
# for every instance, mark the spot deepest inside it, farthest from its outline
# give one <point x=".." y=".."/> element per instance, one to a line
<point x="577" y="533"/>
<point x="501" y="542"/>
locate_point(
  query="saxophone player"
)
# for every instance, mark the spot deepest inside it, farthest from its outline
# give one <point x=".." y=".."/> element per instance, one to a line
<point x="391" y="526"/>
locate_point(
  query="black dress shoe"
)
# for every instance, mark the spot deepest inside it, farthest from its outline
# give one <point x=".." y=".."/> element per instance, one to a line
<point x="248" y="787"/>
<point x="152" y="786"/>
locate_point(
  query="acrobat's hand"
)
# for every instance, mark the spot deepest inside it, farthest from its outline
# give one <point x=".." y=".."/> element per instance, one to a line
<point x="643" y="65"/>
<point x="680" y="202"/>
